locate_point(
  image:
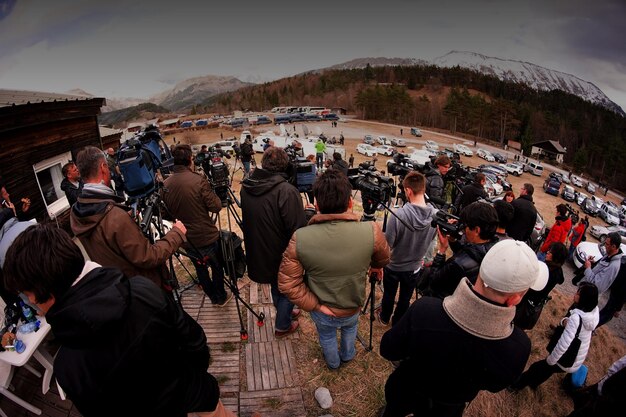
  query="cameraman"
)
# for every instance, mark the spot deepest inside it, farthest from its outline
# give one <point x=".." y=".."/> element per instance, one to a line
<point x="480" y="221"/>
<point x="339" y="164"/>
<point x="108" y="234"/>
<point x="472" y="192"/>
<point x="246" y="156"/>
<point x="434" y="180"/>
<point x="271" y="210"/>
<point x="190" y="198"/>
<point x="408" y="247"/>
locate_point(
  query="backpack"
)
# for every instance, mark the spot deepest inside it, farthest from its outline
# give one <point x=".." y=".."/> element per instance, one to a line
<point x="238" y="255"/>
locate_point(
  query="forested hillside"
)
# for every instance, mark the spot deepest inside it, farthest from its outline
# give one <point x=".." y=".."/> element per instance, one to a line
<point x="458" y="100"/>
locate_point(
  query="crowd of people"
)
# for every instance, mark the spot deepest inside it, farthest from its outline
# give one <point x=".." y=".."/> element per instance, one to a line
<point x="107" y="292"/>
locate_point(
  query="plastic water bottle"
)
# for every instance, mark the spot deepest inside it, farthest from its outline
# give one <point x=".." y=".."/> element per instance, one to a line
<point x="31" y="326"/>
<point x="27" y="312"/>
<point x="19" y="346"/>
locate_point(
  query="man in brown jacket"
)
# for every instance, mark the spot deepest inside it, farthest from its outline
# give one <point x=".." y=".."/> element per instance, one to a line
<point x="189" y="197"/>
<point x="107" y="232"/>
<point x="335" y="250"/>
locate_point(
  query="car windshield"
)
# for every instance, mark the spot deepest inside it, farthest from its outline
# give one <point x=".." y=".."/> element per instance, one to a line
<point x="612" y="211"/>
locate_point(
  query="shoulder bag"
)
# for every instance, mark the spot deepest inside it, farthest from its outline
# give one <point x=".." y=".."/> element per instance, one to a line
<point x="568" y="358"/>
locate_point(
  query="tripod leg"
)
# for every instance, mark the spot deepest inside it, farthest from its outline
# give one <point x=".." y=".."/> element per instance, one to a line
<point x="372" y="292"/>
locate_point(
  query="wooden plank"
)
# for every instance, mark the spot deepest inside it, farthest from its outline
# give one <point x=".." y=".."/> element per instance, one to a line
<point x="284" y="359"/>
<point x="254" y="293"/>
<point x="278" y="366"/>
<point x="256" y="364"/>
<point x="264" y="368"/>
<point x="269" y="354"/>
<point x="249" y="366"/>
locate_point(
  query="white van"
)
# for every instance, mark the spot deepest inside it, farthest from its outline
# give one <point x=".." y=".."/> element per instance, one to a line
<point x="534" y="168"/>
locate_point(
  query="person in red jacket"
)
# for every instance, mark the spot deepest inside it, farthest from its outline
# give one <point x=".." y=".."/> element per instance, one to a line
<point x="558" y="231"/>
<point x="576" y="236"/>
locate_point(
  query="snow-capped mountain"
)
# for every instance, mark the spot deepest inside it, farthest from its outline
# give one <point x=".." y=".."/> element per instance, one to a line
<point x="377" y="62"/>
<point x="532" y="75"/>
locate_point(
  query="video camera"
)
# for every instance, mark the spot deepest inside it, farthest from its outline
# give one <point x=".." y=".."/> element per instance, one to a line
<point x="216" y="170"/>
<point x="401" y="165"/>
<point x="301" y="172"/>
<point x="375" y="188"/>
<point x="441" y="219"/>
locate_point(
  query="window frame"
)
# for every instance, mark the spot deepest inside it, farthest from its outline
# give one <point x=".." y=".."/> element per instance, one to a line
<point x="61" y="204"/>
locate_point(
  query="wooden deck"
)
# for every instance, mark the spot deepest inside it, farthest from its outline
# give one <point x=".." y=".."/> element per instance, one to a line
<point x="257" y="377"/>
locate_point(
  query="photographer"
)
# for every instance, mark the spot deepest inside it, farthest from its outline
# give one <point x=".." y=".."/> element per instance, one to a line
<point x="271" y="210"/>
<point x="434" y="180"/>
<point x="472" y="192"/>
<point x="521" y="227"/>
<point x="339" y="164"/>
<point x="106" y="231"/>
<point x="190" y="198"/>
<point x="479" y="221"/>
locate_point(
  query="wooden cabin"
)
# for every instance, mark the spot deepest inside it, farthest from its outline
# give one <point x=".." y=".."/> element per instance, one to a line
<point x="39" y="133"/>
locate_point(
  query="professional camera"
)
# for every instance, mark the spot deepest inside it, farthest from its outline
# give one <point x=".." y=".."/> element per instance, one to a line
<point x="454" y="229"/>
<point x="401" y="165"/>
<point x="375" y="188"/>
<point x="217" y="172"/>
<point x="301" y="172"/>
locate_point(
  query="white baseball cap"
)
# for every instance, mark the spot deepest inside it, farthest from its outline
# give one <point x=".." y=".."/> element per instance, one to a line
<point x="511" y="266"/>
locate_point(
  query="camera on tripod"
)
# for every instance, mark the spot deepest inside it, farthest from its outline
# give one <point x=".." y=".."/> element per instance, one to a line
<point x="454" y="229"/>
<point x="301" y="172"/>
<point x="401" y="165"/>
<point x="375" y="188"/>
<point x="217" y="172"/>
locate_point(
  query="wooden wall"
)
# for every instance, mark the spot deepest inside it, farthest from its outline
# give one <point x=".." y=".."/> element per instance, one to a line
<point x="31" y="133"/>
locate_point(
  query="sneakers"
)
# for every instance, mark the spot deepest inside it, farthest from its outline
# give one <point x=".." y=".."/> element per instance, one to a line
<point x="295" y="313"/>
<point x="380" y="320"/>
<point x="294" y="326"/>
<point x="229" y="297"/>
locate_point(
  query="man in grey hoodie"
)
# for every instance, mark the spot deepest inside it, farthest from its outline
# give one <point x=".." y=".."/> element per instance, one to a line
<point x="408" y="247"/>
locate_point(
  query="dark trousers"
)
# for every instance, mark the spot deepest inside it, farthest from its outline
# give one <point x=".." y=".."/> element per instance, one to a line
<point x="613" y="305"/>
<point x="391" y="281"/>
<point x="537" y="374"/>
<point x="212" y="286"/>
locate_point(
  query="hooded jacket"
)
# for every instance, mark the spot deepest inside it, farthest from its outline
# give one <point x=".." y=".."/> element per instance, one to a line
<point x="558" y="232"/>
<point x="589" y="322"/>
<point x="127" y="349"/>
<point x="271" y="211"/>
<point x="434" y="185"/>
<point x="524" y="218"/>
<point x="111" y="238"/>
<point x="409" y="246"/>
<point x="604" y="272"/>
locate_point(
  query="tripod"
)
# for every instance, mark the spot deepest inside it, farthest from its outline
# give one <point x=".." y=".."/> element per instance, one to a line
<point x="228" y="256"/>
<point x="373" y="279"/>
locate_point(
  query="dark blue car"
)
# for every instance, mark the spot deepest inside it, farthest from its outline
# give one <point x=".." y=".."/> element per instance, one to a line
<point x="552" y="186"/>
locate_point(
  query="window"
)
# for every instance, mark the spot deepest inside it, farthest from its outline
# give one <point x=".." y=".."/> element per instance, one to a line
<point x="49" y="179"/>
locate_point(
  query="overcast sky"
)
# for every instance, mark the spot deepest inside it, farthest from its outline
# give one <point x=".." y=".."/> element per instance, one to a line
<point x="137" y="48"/>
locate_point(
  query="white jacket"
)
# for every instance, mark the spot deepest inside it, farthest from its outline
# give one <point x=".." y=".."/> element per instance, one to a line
<point x="590" y="321"/>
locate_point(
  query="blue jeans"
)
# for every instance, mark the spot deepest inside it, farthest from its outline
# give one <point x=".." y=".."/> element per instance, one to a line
<point x="214" y="287"/>
<point x="246" y="168"/>
<point x="319" y="160"/>
<point x="327" y="329"/>
<point x="391" y="280"/>
<point x="283" y="309"/>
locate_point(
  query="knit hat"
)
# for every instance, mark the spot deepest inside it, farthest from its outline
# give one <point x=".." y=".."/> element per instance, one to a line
<point x="510" y="266"/>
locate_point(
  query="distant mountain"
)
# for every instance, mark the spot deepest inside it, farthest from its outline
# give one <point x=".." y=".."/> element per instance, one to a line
<point x="194" y="91"/>
<point x="537" y="77"/>
<point x="119" y="118"/>
<point x="113" y="104"/>
<point x="375" y="62"/>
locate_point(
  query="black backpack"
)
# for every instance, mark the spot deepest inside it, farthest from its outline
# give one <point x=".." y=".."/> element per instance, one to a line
<point x="238" y="256"/>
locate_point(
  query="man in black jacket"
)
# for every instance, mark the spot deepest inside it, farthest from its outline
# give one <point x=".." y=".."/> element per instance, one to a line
<point x="72" y="184"/>
<point x="127" y="348"/>
<point x="472" y="192"/>
<point x="525" y="215"/>
<point x="271" y="210"/>
<point x="442" y="277"/>
<point x="434" y="180"/>
<point x="451" y="349"/>
<point x="246" y="156"/>
<point x="339" y="164"/>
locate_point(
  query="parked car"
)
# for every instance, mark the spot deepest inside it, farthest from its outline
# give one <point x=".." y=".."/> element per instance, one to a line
<point x="506" y="186"/>
<point x="580" y="197"/>
<point x="534" y="168"/>
<point x="485" y="154"/>
<point x="556" y="175"/>
<point x="568" y="193"/>
<point x="296" y="117"/>
<point x="494" y="168"/>
<point x="365" y="149"/>
<point x="601" y="232"/>
<point x="330" y="116"/>
<point x="431" y="145"/>
<point x="577" y="181"/>
<point x="312" y="117"/>
<point x="492" y="187"/>
<point x="398" y="142"/>
<point x="609" y="213"/>
<point x="512" y="169"/>
<point x="591" y="188"/>
<point x="416" y="132"/>
<point x="499" y="157"/>
<point x="587" y="249"/>
<point x="589" y="207"/>
<point x="186" y="123"/>
<point x="551" y="186"/>
<point x="369" y="139"/>
<point x="454" y="156"/>
<point x="565" y="179"/>
<point x="386" y="150"/>
<point x="462" y="149"/>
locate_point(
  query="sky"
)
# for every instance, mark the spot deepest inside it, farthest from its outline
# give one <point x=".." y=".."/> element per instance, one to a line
<point x="138" y="48"/>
